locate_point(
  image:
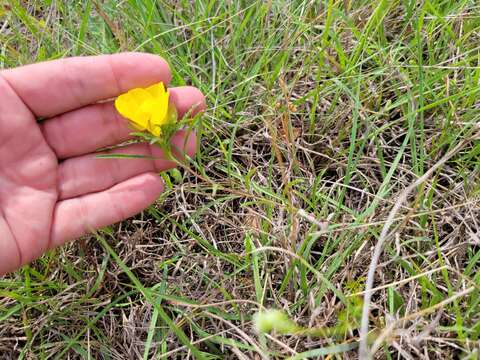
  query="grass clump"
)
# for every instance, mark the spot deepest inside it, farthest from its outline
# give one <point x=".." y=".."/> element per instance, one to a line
<point x="320" y="115"/>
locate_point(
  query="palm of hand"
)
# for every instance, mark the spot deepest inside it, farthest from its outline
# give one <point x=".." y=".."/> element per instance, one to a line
<point x="53" y="188"/>
<point x="28" y="181"/>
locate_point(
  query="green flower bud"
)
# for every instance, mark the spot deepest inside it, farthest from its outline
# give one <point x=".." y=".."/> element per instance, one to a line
<point x="274" y="320"/>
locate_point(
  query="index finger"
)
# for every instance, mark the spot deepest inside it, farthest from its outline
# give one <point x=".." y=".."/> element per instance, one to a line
<point x="54" y="87"/>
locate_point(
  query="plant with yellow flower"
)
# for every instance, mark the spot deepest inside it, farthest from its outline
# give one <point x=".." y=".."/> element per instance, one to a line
<point x="147" y="109"/>
<point x="153" y="116"/>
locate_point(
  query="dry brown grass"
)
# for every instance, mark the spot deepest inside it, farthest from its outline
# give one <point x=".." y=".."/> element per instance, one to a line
<point x="309" y="143"/>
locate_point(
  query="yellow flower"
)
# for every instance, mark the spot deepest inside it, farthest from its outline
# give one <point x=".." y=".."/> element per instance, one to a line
<point x="147" y="108"/>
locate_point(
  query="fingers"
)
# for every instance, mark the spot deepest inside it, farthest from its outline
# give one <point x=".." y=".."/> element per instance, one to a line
<point x="76" y="217"/>
<point x="54" y="87"/>
<point x="88" y="173"/>
<point x="96" y="126"/>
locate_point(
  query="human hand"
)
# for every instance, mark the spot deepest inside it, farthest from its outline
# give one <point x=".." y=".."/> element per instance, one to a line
<point x="53" y="188"/>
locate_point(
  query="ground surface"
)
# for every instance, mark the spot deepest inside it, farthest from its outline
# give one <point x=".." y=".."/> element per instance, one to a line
<point x="321" y="114"/>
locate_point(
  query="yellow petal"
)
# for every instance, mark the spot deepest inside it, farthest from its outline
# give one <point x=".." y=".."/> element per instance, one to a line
<point x="129" y="105"/>
<point x="141" y="119"/>
<point x="146" y="108"/>
<point x="156" y="130"/>
<point x="132" y="99"/>
<point x="124" y="105"/>
<point x="139" y="95"/>
<point x="159" y="116"/>
<point x="156" y="90"/>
